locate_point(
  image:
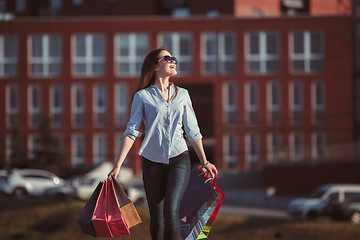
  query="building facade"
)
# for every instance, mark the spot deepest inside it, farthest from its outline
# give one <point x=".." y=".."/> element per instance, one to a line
<point x="265" y="90"/>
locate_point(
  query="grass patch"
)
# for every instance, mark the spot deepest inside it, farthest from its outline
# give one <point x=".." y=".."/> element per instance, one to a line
<point x="58" y="221"/>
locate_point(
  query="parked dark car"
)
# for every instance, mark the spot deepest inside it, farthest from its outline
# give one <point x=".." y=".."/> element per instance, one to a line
<point x="347" y="210"/>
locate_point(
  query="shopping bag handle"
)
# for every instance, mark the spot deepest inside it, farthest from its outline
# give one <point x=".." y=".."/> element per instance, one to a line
<point x="205" y="172"/>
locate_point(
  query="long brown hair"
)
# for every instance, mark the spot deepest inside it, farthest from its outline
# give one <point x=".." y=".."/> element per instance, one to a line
<point x="147" y="77"/>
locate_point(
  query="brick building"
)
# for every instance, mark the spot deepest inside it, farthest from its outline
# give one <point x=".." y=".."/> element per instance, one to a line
<point x="268" y="85"/>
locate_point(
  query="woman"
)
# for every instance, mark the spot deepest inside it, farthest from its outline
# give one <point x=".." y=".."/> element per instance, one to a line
<point x="165" y="109"/>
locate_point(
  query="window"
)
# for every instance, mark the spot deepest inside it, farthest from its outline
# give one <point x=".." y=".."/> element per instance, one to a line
<point x="179" y="45"/>
<point x="318" y="102"/>
<point x="34" y="105"/>
<point x="56" y="105"/>
<point x="131" y="50"/>
<point x="296" y="147"/>
<point x="274" y="147"/>
<point x="11" y="149"/>
<point x="12" y="105"/>
<point x="77" y="2"/>
<point x="2" y="6"/>
<point x="33" y="146"/>
<point x="296" y="108"/>
<point x="181" y="12"/>
<point x="218" y="53"/>
<point x="89" y="55"/>
<point x="99" y="105"/>
<point x="20" y="6"/>
<point x="307" y="53"/>
<point x="119" y="139"/>
<point x="230" y="150"/>
<point x="8" y="55"/>
<point x="45" y="57"/>
<point x="263" y="52"/>
<point x="121" y="104"/>
<point x="273" y="102"/>
<point x="251" y="103"/>
<point x="229" y="102"/>
<point x="78" y="105"/>
<point x="318" y="146"/>
<point x="99" y="146"/>
<point x="78" y="149"/>
<point x="252" y="150"/>
<point x="55" y="4"/>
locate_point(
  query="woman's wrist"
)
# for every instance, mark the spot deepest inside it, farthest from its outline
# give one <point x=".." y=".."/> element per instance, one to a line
<point x="206" y="163"/>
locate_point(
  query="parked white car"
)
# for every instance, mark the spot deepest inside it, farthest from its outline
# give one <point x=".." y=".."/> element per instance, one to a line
<point x="314" y="206"/>
<point x="86" y="184"/>
<point x="31" y="182"/>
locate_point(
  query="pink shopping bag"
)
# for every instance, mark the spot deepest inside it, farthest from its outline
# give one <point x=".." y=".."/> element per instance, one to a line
<point x="107" y="218"/>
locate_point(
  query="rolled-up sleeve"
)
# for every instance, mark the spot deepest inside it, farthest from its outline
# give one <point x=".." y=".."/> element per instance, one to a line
<point x="136" y="118"/>
<point x="192" y="130"/>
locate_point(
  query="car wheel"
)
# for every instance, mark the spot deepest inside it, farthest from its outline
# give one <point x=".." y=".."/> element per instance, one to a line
<point x="355" y="218"/>
<point x="20" y="193"/>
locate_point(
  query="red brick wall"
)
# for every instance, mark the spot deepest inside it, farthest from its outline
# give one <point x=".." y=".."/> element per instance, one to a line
<point x="330" y="7"/>
<point x="247" y="8"/>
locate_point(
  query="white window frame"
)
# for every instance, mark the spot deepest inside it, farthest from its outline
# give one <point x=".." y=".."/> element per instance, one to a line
<point x="120" y="104"/>
<point x="12" y="108"/>
<point x="296" y="108"/>
<point x="45" y="60"/>
<point x="34" y="111"/>
<point x="133" y="59"/>
<point x="318" y="108"/>
<point x="230" y="149"/>
<point x="273" y="109"/>
<point x="318" y="148"/>
<point x="252" y="155"/>
<point x="77" y="111"/>
<point x="174" y="47"/>
<point x="263" y="57"/>
<point x="99" y="148"/>
<point x="89" y="59"/>
<point x="78" y="157"/>
<point x="56" y="111"/>
<point x="296" y="148"/>
<point x="274" y="148"/>
<point x="8" y="60"/>
<point x="252" y="109"/>
<point x="219" y="59"/>
<point x="99" y="93"/>
<point x="306" y="56"/>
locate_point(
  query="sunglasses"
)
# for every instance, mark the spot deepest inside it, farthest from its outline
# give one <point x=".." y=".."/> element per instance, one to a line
<point x="168" y="59"/>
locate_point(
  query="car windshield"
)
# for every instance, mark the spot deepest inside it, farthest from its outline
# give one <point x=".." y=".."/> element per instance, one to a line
<point x="318" y="192"/>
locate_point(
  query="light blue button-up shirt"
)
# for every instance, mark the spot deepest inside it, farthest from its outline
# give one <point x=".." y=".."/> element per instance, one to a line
<point x="164" y="136"/>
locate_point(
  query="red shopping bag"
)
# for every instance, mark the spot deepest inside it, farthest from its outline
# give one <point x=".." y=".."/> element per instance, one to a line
<point x="107" y="218"/>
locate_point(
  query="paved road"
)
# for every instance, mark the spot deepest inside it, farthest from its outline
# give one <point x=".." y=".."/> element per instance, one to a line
<point x="252" y="211"/>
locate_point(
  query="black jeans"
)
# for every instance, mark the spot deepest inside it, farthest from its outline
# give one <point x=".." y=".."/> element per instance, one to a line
<point x="165" y="185"/>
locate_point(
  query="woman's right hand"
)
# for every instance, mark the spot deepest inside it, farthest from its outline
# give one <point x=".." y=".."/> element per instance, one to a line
<point x="114" y="172"/>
